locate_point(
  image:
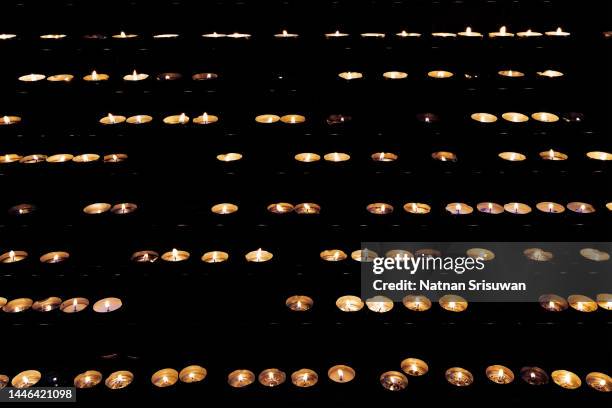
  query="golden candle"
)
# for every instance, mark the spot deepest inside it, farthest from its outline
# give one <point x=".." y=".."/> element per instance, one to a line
<point x="215" y="257"/>
<point x="372" y="35"/>
<point x="349" y="303"/>
<point x="240" y="378"/>
<point x="529" y="33"/>
<point x="553" y="303"/>
<point x="239" y="36"/>
<point x="213" y="35"/>
<point x="54" y="257"/>
<point x="205" y="119"/>
<point x="165" y="36"/>
<point x="490" y="208"/>
<point x="96" y="208"/>
<point x="393" y="381"/>
<point x="271" y="377"/>
<point x="538" y="254"/>
<point x="395" y="75"/>
<point x="453" y="303"/>
<point x="165" y="377"/>
<point x="469" y="33"/>
<point x="580" y="207"/>
<point x="459" y="208"/>
<point x="5" y="36"/>
<point x="107" y="305"/>
<point x="176" y="119"/>
<point x="169" y="76"/>
<point x="379" y="304"/>
<point x="595" y="254"/>
<point x="416" y="303"/>
<point x="438" y="74"/>
<point x="511" y="73"/>
<point x="280" y="208"/>
<point x="33" y="159"/>
<point x="95" y="77"/>
<point x="115" y="158"/>
<point x="482" y="253"/>
<point x="139" y="119"/>
<point x="224" y="208"/>
<point x="483" y="117"/>
<point x="267" y="118"/>
<point x="32" y="77"/>
<point x="22" y="209"/>
<point x="603" y="156"/>
<point x="380" y="208"/>
<point x="285" y="34"/>
<point x="406" y="34"/>
<point x="119" y="379"/>
<point x="557" y="33"/>
<point x="88" y="379"/>
<point x="604" y="300"/>
<point x="549" y="73"/>
<point x="176" y="255"/>
<point x="333" y="255"/>
<point x="307" y="208"/>
<point x="550" y="207"/>
<point x="515" y="117"/>
<point x="123" y="35"/>
<point x="599" y="381"/>
<point x="566" y="379"/>
<point x="414" y="367"/>
<point x="299" y="303"/>
<point x="111" y="119"/>
<point x="350" y="75"/>
<point x="545" y="117"/>
<point x="204" y="76"/>
<point x="9" y="120"/>
<point x="512" y="156"/>
<point x="145" y="256"/>
<point x="307" y="157"/>
<point x="293" y="119"/>
<point x="229" y="157"/>
<point x="503" y="32"/>
<point x="534" y="375"/>
<point x="26" y="379"/>
<point x="444" y="156"/>
<point x="10" y="158"/>
<point x="499" y="374"/>
<point x="336" y="34"/>
<point x="135" y="76"/>
<point x="304" y="378"/>
<point x="553" y="155"/>
<point x="417" y="208"/>
<point x="86" y="158"/>
<point x="74" y="305"/>
<point x="582" y="303"/>
<point x="341" y="373"/>
<point x="17" y="305"/>
<point x="366" y="255"/>
<point x="192" y="374"/>
<point x="336" y="157"/>
<point x="60" y="78"/>
<point x="459" y="377"/>
<point x="13" y="256"/>
<point x="384" y="157"/>
<point x="47" y="304"/>
<point x="260" y="255"/>
<point x="443" y="35"/>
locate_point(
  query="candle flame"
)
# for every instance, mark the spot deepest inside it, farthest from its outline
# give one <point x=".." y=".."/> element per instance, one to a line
<point x="123" y="208"/>
<point x="502" y="30"/>
<point x="279" y="208"/>
<point x="500" y="374"/>
<point x="7" y="120"/>
<point x="87" y="379"/>
<point x="122" y="35"/>
<point x="299" y="305"/>
<point x="111" y="118"/>
<point x="25" y="379"/>
<point x="551" y="305"/>
<point x="551" y="154"/>
<point x="258" y="255"/>
<point x="452" y="305"/>
<point x="459" y="375"/>
<point x="284" y="33"/>
<point x="115" y="158"/>
<point x="340" y="374"/>
<point x="174" y="254"/>
<point x="182" y="118"/>
<point x="532" y="375"/>
<point x="383" y="208"/>
<point x="458" y="207"/>
<point x="550" y="207"/>
<point x="490" y="207"/>
<point x="205" y="117"/>
<point x="107" y="305"/>
<point x="94" y="75"/>
<point x="568" y="378"/>
<point x="55" y="258"/>
<point x="12" y="255"/>
<point x="336" y="255"/>
<point x="468" y="30"/>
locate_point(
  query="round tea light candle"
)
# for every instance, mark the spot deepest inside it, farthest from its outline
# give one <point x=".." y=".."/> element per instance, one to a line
<point x="87" y="379"/>
<point x="229" y="157"/>
<point x="557" y="33"/>
<point x="285" y="34"/>
<point x="503" y="32"/>
<point x="107" y="305"/>
<point x="566" y="379"/>
<point x="379" y="208"/>
<point x="483" y="117"/>
<point x="395" y="75"/>
<point x="272" y="377"/>
<point x="32" y="77"/>
<point x="599" y="381"/>
<point x="139" y="119"/>
<point x="299" y="303"/>
<point x="406" y="34"/>
<point x="438" y="74"/>
<point x="512" y="156"/>
<point x="123" y="208"/>
<point x="165" y="36"/>
<point x="307" y="208"/>
<point x="550" y="207"/>
<point x="169" y="76"/>
<point x="176" y="255"/>
<point x="582" y="303"/>
<point x="545" y="117"/>
<point x="224" y="208"/>
<point x="580" y="207"/>
<point x="499" y="374"/>
<point x="304" y="378"/>
<point x="267" y="118"/>
<point x="379" y="304"/>
<point x="604" y="300"/>
<point x="417" y="208"/>
<point x="553" y="303"/>
<point x="365" y="255"/>
<point x="96" y="208"/>
<point x="553" y="155"/>
<point x="60" y="78"/>
<point x="459" y="377"/>
<point x="534" y="375"/>
<point x="469" y="33"/>
<point x="119" y="380"/>
<point x="603" y="156"/>
<point x="515" y="117"/>
<point x="9" y="120"/>
<point x="239" y="36"/>
<point x="453" y="303"/>
<point x="74" y="305"/>
<point x="192" y="374"/>
<point x="240" y="378"/>
<point x="349" y="303"/>
<point x="549" y="73"/>
<point x="341" y="373"/>
<point x="490" y="208"/>
<point x="17" y="305"/>
<point x="204" y="76"/>
<point x="307" y="157"/>
<point x="538" y="254"/>
<point x="517" y="208"/>
<point x="336" y="157"/>
<point x="280" y="208"/>
<point x="115" y="158"/>
<point x="205" y="119"/>
<point x="176" y="119"/>
<point x="511" y="73"/>
<point x="215" y="257"/>
<point x="86" y="158"/>
<point x="26" y="379"/>
<point x="122" y="35"/>
<point x="444" y="156"/>
<point x="384" y="157"/>
<point x="111" y="119"/>
<point x="595" y="254"/>
<point x="348" y="75"/>
<point x="459" y="208"/>
<point x="22" y="209"/>
<point x="47" y="304"/>
<point x="213" y="35"/>
<point x="33" y="159"/>
<point x="135" y="76"/>
<point x="7" y="36"/>
<point x="372" y="35"/>
<point x="10" y="158"/>
<point x="333" y="255"/>
<point x="416" y="303"/>
<point x="145" y="256"/>
<point x="414" y="366"/>
<point x="336" y="34"/>
<point x="55" y="257"/>
<point x="60" y="158"/>
<point x="443" y="35"/>
<point x="293" y="119"/>
<point x="393" y="380"/>
<point x="259" y="255"/>
<point x="13" y="256"/>
<point x="528" y="34"/>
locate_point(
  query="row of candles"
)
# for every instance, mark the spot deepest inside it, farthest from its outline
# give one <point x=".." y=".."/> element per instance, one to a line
<point x="134" y="76"/>
<point x="284" y="34"/>
<point x="304" y="157"/>
<point x="340" y="374"/>
<point x="72" y="305"/>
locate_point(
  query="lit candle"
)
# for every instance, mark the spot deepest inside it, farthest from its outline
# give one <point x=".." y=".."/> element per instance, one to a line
<point x="528" y="34"/>
<point x="459" y="377"/>
<point x="333" y="255"/>
<point x="9" y="120"/>
<point x="205" y="119"/>
<point x="124" y="208"/>
<point x="503" y="32"/>
<point x="267" y="118"/>
<point x="349" y="303"/>
<point x="393" y="381"/>
<point x="414" y="367"/>
<point x="10" y="158"/>
<point x="384" y="157"/>
<point x="176" y="119"/>
<point x="244" y="36"/>
<point x="7" y="36"/>
<point x="13" y="256"/>
<point x="54" y="257"/>
<point x="379" y="304"/>
<point x="307" y="157"/>
<point x="553" y="155"/>
<point x="416" y="303"/>
<point x="557" y="33"/>
<point x="272" y="377"/>
<point x="215" y="257"/>
<point x="336" y="34"/>
<point x="509" y="73"/>
<point x="280" y="208"/>
<point x="299" y="303"/>
<point x="379" y="208"/>
<point x="144" y="256"/>
<point x="395" y="75"/>
<point x="224" y="208"/>
<point x="139" y="119"/>
<point x="240" y="378"/>
<point x="469" y="33"/>
<point x="175" y="255"/>
<point x="490" y="208"/>
<point x="439" y="74"/>
<point x="307" y="208"/>
<point x="599" y="381"/>
<point x="405" y="34"/>
<point x="348" y="75"/>
<point x="336" y="157"/>
<point x="135" y="76"/>
<point x="566" y="379"/>
<point x="515" y="117"/>
<point x="213" y="35"/>
<point x="517" y="208"/>
<point x="32" y="78"/>
<point x="549" y="73"/>
<point x="122" y="35"/>
<point x="304" y="378"/>
<point x="341" y="374"/>
<point x="545" y="117"/>
<point x="74" y="305"/>
<point x="483" y="117"/>
<point x="550" y="207"/>
<point x="229" y="157"/>
<point x="260" y="255"/>
<point x="453" y="303"/>
<point x="111" y="119"/>
<point x="459" y="208"/>
<point x="285" y="34"/>
<point x="534" y="375"/>
<point x="293" y="119"/>
<point x="499" y="374"/>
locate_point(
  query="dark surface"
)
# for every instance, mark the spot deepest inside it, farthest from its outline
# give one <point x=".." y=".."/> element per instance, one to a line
<point x="232" y="315"/>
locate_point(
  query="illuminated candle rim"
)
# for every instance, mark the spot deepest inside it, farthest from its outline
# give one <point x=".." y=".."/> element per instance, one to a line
<point x="271" y="377"/>
<point x="87" y="379"/>
<point x="240" y="378"/>
<point x="215" y="257"/>
<point x="341" y="373"/>
<point x="304" y="377"/>
<point x="409" y="365"/>
<point x="453" y="303"/>
<point x="119" y="379"/>
<point x="538" y="254"/>
<point x="393" y="381"/>
<point x="379" y="304"/>
<point x="229" y="157"/>
<point x="107" y="305"/>
<point x="355" y="302"/>
<point x="193" y="373"/>
<point x="566" y="379"/>
<point x="26" y="379"/>
<point x="417" y="303"/>
<point x="164" y="377"/>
